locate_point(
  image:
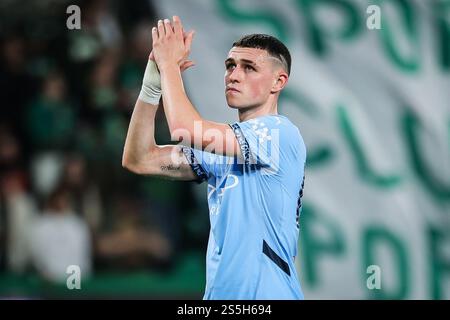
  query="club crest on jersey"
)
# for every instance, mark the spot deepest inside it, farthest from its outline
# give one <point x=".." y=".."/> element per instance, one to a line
<point x="231" y="181"/>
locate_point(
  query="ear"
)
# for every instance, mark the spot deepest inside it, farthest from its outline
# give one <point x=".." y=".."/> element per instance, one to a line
<point x="280" y="82"/>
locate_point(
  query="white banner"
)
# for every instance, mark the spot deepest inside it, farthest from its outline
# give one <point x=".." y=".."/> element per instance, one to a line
<point x="373" y="106"/>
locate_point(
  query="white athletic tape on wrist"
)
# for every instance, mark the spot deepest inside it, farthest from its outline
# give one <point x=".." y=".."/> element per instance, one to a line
<point x="151" y="84"/>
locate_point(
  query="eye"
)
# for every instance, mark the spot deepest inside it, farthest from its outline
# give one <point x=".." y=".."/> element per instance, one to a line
<point x="249" y="67"/>
<point x="229" y="66"/>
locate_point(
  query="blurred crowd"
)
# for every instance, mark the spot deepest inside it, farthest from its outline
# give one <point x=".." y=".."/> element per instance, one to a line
<point x="66" y="98"/>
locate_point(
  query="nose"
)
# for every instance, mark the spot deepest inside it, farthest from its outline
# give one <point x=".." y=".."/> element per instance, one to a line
<point x="235" y="75"/>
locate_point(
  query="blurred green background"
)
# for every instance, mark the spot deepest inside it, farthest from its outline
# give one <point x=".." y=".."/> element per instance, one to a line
<point x="372" y="104"/>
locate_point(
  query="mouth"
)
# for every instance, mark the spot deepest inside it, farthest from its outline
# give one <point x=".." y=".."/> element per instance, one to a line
<point x="232" y="90"/>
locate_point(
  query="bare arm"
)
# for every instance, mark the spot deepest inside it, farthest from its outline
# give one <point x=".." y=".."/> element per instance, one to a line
<point x="183" y="118"/>
<point x="142" y="155"/>
<point x="169" y="49"/>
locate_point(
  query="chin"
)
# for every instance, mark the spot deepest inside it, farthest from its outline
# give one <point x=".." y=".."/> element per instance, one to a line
<point x="233" y="105"/>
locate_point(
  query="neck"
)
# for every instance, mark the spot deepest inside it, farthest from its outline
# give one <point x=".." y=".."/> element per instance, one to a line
<point x="255" y="112"/>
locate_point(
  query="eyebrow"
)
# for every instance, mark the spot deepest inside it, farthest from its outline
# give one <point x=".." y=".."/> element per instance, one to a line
<point x="242" y="60"/>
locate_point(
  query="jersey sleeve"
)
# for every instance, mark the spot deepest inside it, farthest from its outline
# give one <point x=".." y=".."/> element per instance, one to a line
<point x="206" y="164"/>
<point x="259" y="141"/>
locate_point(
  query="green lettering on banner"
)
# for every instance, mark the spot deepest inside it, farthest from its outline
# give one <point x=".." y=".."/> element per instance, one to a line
<point x="272" y="19"/>
<point x="407" y="23"/>
<point x="318" y="155"/>
<point x="363" y="168"/>
<point x="440" y="264"/>
<point x="312" y="247"/>
<point x="301" y="100"/>
<point x="442" y="11"/>
<point x="374" y="237"/>
<point x="317" y="34"/>
<point x="411" y="125"/>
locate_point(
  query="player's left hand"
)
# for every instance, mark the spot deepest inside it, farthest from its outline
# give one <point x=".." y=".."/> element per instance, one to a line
<point x="170" y="44"/>
<point x="185" y="64"/>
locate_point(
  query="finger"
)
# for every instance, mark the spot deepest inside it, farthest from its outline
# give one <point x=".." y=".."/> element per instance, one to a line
<point x="151" y="56"/>
<point x="188" y="40"/>
<point x="186" y="65"/>
<point x="168" y="27"/>
<point x="189" y="63"/>
<point x="177" y="26"/>
<point x="154" y="36"/>
<point x="161" y="31"/>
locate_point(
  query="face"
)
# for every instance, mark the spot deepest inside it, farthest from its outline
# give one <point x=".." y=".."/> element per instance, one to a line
<point x="249" y="77"/>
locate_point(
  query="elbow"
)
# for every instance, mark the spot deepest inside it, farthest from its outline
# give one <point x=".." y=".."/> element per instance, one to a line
<point x="126" y="163"/>
<point x="132" y="167"/>
<point x="129" y="163"/>
<point x="124" y="160"/>
<point x="144" y="165"/>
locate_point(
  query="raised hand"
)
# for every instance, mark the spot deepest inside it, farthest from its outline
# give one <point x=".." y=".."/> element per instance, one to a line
<point x="171" y="45"/>
<point x="185" y="64"/>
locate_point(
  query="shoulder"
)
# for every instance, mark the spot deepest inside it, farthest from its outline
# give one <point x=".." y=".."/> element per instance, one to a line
<point x="277" y="127"/>
<point x="265" y="125"/>
<point x="281" y="125"/>
<point x="270" y="136"/>
<point x="290" y="138"/>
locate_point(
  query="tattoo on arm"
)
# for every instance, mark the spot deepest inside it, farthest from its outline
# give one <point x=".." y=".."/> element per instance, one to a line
<point x="170" y="168"/>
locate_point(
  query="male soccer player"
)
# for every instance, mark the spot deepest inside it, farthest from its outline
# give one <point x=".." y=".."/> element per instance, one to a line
<point x="254" y="167"/>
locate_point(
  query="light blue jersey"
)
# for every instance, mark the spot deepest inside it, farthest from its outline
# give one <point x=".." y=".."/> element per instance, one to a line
<point x="254" y="205"/>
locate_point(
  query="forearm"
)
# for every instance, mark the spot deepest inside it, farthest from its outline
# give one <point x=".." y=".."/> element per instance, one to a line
<point x="170" y="48"/>
<point x="179" y="111"/>
<point x="140" y="140"/>
<point x="183" y="119"/>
